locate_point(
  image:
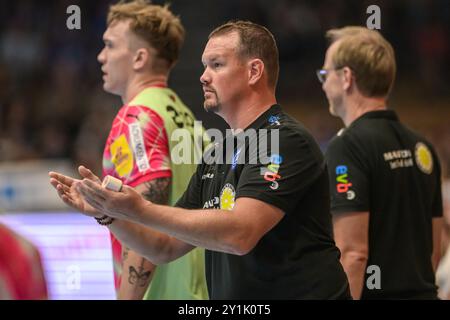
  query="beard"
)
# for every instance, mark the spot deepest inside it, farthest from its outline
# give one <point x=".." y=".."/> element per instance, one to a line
<point x="212" y="105"/>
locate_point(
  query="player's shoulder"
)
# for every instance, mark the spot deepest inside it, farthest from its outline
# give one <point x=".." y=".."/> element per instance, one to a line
<point x="346" y="139"/>
<point x="141" y="114"/>
<point x="422" y="147"/>
<point x="289" y="127"/>
<point x="417" y="137"/>
<point x="296" y="138"/>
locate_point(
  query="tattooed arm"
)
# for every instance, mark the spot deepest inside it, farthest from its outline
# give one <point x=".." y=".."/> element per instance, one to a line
<point x="137" y="272"/>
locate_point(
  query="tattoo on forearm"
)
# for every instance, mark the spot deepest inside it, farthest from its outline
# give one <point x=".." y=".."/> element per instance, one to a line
<point x="139" y="277"/>
<point x="157" y="190"/>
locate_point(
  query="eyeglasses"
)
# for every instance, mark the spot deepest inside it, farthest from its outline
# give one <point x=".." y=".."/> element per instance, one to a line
<point x="323" y="73"/>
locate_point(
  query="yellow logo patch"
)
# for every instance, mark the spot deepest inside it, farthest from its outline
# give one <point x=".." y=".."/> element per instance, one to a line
<point x="227" y="197"/>
<point x="122" y="156"/>
<point x="424" y="159"/>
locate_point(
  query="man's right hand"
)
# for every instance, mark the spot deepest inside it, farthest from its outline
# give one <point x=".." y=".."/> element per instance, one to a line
<point x="65" y="187"/>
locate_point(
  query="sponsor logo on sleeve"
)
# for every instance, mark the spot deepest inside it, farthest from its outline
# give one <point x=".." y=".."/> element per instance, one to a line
<point x="343" y="183"/>
<point x="270" y="173"/>
<point x="137" y="143"/>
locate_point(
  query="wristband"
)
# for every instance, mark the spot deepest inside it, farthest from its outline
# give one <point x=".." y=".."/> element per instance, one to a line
<point x="105" y="220"/>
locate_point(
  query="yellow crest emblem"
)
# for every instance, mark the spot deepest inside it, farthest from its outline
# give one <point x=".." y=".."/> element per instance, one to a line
<point x="424" y="159"/>
<point x="227" y="197"/>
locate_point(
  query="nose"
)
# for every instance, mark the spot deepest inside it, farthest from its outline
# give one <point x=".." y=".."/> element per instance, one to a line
<point x="205" y="77"/>
<point x="324" y="83"/>
<point x="101" y="56"/>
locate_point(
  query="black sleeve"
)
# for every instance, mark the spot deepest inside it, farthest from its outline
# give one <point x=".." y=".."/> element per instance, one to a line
<point x="437" y="206"/>
<point x="349" y="176"/>
<point x="191" y="197"/>
<point x="286" y="178"/>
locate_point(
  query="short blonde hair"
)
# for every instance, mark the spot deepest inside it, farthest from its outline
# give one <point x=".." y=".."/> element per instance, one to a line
<point x="370" y="57"/>
<point x="155" y="24"/>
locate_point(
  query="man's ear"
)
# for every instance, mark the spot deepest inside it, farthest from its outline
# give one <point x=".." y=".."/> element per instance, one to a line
<point x="140" y="58"/>
<point x="348" y="78"/>
<point x="255" y="70"/>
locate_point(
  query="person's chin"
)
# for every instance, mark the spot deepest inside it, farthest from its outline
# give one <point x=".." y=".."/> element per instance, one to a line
<point x="108" y="88"/>
<point x="210" y="106"/>
<point x="331" y="110"/>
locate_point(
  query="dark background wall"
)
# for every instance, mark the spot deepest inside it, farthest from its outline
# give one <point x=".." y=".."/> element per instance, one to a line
<point x="52" y="104"/>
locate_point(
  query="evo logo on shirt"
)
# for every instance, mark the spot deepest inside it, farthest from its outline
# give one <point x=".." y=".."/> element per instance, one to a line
<point x="270" y="173"/>
<point x="342" y="182"/>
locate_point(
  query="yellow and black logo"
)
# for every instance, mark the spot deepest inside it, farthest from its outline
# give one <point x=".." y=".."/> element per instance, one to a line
<point x="122" y="156"/>
<point x="424" y="159"/>
<point x="227" y="197"/>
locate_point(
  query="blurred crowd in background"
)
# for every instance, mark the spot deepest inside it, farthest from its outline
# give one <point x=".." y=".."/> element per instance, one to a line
<point x="52" y="104"/>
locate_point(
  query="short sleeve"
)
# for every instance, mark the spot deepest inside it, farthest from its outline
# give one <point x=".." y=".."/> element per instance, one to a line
<point x="437" y="206"/>
<point x="348" y="175"/>
<point x="191" y="197"/>
<point x="287" y="175"/>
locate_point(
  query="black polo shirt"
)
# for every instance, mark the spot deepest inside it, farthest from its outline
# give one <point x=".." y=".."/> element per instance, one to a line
<point x="297" y="259"/>
<point x="380" y="166"/>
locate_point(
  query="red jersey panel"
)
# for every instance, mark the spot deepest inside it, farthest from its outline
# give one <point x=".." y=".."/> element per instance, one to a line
<point x="136" y="151"/>
<point x="21" y="272"/>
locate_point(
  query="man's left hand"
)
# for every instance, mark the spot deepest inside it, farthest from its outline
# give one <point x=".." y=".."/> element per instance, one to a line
<point x="125" y="205"/>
